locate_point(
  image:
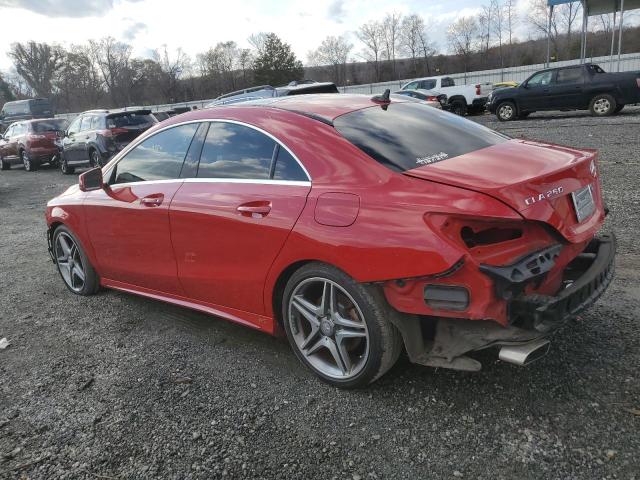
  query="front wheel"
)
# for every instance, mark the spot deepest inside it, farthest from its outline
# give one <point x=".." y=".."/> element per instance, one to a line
<point x="338" y="328"/>
<point x="65" y="167"/>
<point x="602" y="105"/>
<point x="94" y="159"/>
<point x="73" y="264"/>
<point x="506" y="111"/>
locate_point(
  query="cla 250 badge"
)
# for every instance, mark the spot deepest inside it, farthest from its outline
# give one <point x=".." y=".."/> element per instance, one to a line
<point x="554" y="192"/>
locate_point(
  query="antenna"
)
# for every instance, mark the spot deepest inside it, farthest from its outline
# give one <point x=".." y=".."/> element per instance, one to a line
<point x="384" y="98"/>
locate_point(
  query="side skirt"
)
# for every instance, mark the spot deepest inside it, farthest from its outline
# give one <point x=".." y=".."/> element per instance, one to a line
<point x="252" y="320"/>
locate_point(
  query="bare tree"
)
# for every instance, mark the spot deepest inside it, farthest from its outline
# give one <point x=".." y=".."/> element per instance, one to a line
<point x="427" y="48"/>
<point x="37" y="64"/>
<point x="461" y="35"/>
<point x="113" y="60"/>
<point x="485" y="22"/>
<point x="391" y="38"/>
<point x="258" y="42"/>
<point x="333" y="51"/>
<point x="511" y="19"/>
<point x="371" y="35"/>
<point x="172" y="67"/>
<point x="412" y="32"/>
<point x="563" y="20"/>
<point x="498" y="26"/>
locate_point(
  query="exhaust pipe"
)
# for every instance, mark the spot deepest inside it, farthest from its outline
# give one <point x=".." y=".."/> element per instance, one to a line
<point x="526" y="353"/>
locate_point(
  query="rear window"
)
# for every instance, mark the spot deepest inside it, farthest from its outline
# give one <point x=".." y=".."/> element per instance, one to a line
<point x="40" y="106"/>
<point x="131" y="120"/>
<point x="48" y="126"/>
<point x="404" y="136"/>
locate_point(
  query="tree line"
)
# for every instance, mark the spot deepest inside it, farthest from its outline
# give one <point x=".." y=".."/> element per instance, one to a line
<point x="104" y="73"/>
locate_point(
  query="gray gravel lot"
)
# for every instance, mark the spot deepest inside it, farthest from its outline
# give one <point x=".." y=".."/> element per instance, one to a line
<point x="120" y="387"/>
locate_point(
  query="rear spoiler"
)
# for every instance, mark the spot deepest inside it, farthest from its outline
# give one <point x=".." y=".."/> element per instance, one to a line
<point x="128" y="112"/>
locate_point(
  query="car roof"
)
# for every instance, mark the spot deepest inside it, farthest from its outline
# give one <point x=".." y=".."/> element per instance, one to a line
<point x="325" y="107"/>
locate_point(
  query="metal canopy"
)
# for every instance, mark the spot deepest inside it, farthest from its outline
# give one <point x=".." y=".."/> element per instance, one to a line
<point x="590" y="8"/>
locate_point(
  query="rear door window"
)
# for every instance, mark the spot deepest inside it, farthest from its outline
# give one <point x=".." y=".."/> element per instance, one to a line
<point x="570" y="75"/>
<point x="85" y="124"/>
<point x="408" y="135"/>
<point x="428" y="84"/>
<point x="288" y="168"/>
<point x="159" y="157"/>
<point x="236" y="151"/>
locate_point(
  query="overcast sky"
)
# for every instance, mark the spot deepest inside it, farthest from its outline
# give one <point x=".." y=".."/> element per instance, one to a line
<point x="196" y="25"/>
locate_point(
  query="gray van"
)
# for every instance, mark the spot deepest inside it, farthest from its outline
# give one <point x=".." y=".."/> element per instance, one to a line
<point x="24" y="110"/>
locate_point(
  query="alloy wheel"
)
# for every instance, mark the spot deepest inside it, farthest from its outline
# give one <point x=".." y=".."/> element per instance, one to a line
<point x="95" y="159"/>
<point x="26" y="161"/>
<point x="70" y="262"/>
<point x="601" y="106"/>
<point x="506" y="112"/>
<point x="328" y="328"/>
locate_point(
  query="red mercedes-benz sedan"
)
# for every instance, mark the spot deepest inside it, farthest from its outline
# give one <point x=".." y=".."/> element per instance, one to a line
<point x="359" y="226"/>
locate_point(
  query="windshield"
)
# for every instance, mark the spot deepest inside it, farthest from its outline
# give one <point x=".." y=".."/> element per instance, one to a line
<point x="48" y="126"/>
<point x="408" y="135"/>
<point x="40" y="106"/>
<point x="130" y="119"/>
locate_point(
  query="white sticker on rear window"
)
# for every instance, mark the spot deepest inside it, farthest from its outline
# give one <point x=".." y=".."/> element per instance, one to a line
<point x="429" y="159"/>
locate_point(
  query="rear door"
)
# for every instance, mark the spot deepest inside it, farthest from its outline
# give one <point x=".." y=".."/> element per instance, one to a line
<point x="229" y="223"/>
<point x="8" y="146"/>
<point x="567" y="90"/>
<point x="128" y="221"/>
<point x="71" y="140"/>
<point x="83" y="138"/>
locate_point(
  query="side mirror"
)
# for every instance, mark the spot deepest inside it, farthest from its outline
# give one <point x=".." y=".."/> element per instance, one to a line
<point x="91" y="180"/>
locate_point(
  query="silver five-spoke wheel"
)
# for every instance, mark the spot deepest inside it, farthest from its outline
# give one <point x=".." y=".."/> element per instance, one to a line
<point x="328" y="328"/>
<point x="70" y="262"/>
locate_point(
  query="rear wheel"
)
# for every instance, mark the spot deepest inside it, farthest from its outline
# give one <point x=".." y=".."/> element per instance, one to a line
<point x="73" y="264"/>
<point x="30" y="165"/>
<point x="65" y="167"/>
<point x="339" y="328"/>
<point x="602" y="105"/>
<point x="459" y="107"/>
<point x="506" y="111"/>
<point x="94" y="158"/>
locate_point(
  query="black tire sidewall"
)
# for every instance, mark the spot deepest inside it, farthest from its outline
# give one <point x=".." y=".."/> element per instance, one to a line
<point x="612" y="105"/>
<point x="459" y="104"/>
<point x="364" y="302"/>
<point x="92" y="281"/>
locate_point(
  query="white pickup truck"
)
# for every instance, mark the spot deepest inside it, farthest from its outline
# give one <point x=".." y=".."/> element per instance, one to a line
<point x="462" y="99"/>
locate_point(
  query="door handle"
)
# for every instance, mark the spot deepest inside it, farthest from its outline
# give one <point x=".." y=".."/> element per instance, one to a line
<point x="255" y="209"/>
<point x="152" y="200"/>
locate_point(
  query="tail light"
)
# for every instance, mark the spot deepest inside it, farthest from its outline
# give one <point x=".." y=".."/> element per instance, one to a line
<point x="431" y="98"/>
<point x="112" y="132"/>
<point x="478" y="89"/>
<point x="638" y="81"/>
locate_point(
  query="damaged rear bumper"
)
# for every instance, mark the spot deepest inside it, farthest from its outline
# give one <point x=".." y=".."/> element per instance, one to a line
<point x="444" y="342"/>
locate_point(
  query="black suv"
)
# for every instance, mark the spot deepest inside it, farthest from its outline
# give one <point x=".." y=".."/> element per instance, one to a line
<point x="24" y="110"/>
<point x="578" y="87"/>
<point x="97" y="135"/>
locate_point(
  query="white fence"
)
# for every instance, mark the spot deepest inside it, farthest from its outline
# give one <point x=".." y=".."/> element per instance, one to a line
<point x="628" y="62"/>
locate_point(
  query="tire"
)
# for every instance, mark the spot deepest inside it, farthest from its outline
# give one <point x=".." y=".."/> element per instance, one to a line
<point x="352" y="343"/>
<point x="618" y="109"/>
<point x="602" y="105"/>
<point x="94" y="158"/>
<point x="459" y="107"/>
<point x="72" y="259"/>
<point x="55" y="161"/>
<point x="506" y="111"/>
<point x="65" y="167"/>
<point x="4" y="165"/>
<point x="30" y="165"/>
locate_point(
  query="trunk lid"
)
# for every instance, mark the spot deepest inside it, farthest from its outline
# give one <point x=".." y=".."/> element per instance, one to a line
<point x="535" y="179"/>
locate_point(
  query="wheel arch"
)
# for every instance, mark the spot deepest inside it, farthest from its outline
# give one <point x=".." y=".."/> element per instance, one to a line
<point x="458" y="97"/>
<point x="278" y="289"/>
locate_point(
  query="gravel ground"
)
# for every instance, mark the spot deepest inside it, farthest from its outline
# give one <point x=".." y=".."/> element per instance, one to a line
<point x="120" y="387"/>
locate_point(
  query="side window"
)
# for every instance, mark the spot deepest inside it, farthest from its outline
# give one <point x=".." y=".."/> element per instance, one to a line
<point x="85" y="124"/>
<point x="447" y="82"/>
<point x="159" y="157"/>
<point x="569" y="75"/>
<point x="190" y="166"/>
<point x="9" y="132"/>
<point x="75" y="126"/>
<point x="18" y="130"/>
<point x="287" y="168"/>
<point x="235" y="151"/>
<point x="540" y="79"/>
<point x="411" y="86"/>
<point x="96" y="123"/>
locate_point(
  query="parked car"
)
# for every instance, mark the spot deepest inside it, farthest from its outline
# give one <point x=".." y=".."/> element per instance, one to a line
<point x="506" y="84"/>
<point x="24" y="110"/>
<point x="161" y="116"/>
<point x="433" y="99"/>
<point x="462" y="99"/>
<point x="341" y="221"/>
<point x="95" y="136"/>
<point x="267" y="91"/>
<point x="578" y="87"/>
<point x="32" y="143"/>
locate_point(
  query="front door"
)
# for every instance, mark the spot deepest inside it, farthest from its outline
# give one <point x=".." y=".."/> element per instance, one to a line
<point x="534" y="95"/>
<point x="128" y="221"/>
<point x="229" y="224"/>
<point x="71" y="140"/>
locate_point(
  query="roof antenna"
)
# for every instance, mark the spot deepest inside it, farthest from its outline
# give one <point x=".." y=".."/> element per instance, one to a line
<point x="384" y="98"/>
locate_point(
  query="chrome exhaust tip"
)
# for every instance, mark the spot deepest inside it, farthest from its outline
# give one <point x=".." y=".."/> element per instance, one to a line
<point x="526" y="353"/>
